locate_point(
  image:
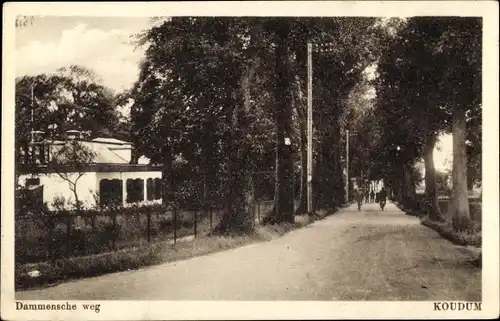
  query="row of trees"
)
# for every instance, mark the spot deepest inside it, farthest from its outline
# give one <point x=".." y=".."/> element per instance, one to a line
<point x="429" y="83"/>
<point x="228" y="93"/>
<point x="217" y="100"/>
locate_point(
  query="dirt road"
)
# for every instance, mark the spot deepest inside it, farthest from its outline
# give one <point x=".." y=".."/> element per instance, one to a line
<point x="351" y="255"/>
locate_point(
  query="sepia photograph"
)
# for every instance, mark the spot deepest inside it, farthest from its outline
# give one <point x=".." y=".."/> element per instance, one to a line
<point x="250" y="157"/>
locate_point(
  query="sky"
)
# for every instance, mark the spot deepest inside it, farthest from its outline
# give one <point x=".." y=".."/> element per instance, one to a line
<point x="443" y="153"/>
<point x="103" y="45"/>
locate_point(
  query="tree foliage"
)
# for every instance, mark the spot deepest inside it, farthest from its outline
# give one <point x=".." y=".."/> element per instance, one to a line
<point x="70" y="99"/>
<point x="69" y="162"/>
<point x="430" y="83"/>
<point x="226" y="93"/>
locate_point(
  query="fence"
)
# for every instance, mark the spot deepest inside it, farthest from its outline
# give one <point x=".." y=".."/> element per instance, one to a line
<point x="52" y="235"/>
<point x="475" y="208"/>
<point x="42" y="235"/>
<point x="48" y="236"/>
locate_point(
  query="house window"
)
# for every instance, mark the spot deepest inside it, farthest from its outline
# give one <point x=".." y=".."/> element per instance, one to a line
<point x="157" y="189"/>
<point x="35" y="154"/>
<point x="135" y="190"/>
<point x="153" y="187"/>
<point x="110" y="192"/>
<point x="43" y="154"/>
<point x="29" y="199"/>
<point x="150" y="189"/>
<point x="32" y="181"/>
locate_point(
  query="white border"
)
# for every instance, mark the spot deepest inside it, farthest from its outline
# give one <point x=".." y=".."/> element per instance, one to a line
<point x="139" y="310"/>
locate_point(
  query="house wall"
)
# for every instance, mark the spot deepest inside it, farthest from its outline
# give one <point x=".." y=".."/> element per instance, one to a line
<point x="55" y="186"/>
<point x="87" y="186"/>
<point x="124" y="152"/>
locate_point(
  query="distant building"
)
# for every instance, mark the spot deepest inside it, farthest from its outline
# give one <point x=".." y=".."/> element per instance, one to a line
<point x="110" y="178"/>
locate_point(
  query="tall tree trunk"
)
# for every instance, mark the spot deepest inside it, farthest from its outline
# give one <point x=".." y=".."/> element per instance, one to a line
<point x="302" y="208"/>
<point x="237" y="217"/>
<point x="326" y="176"/>
<point x="340" y="183"/>
<point x="78" y="204"/>
<point x="283" y="211"/>
<point x="430" y="179"/>
<point x="301" y="78"/>
<point x="167" y="177"/>
<point x="459" y="195"/>
<point x="134" y="157"/>
<point x="409" y="188"/>
<point x="208" y="161"/>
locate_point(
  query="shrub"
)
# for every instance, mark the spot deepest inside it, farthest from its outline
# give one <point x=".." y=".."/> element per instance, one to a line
<point x="445" y="229"/>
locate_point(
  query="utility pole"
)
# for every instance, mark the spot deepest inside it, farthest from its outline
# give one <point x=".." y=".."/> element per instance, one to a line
<point x="32" y="112"/>
<point x="309" y="130"/>
<point x="347" y="168"/>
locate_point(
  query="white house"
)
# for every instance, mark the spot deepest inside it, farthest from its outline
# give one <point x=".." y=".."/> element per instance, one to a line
<point x="109" y="178"/>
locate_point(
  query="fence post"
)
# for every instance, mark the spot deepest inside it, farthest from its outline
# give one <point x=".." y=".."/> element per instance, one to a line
<point x="68" y="233"/>
<point x="211" y="214"/>
<point x="50" y="242"/>
<point x="195" y="223"/>
<point x="148" y="228"/>
<point x="175" y="224"/>
<point x="114" y="231"/>
<point x="253" y="213"/>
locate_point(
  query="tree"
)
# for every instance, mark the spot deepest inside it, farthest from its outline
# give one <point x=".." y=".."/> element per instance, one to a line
<point x="459" y="47"/>
<point x="68" y="161"/>
<point x="85" y="103"/>
<point x="199" y="74"/>
<point x="283" y="210"/>
<point x="55" y="103"/>
<point x="34" y="98"/>
<point x="429" y="79"/>
<point x="351" y="45"/>
<point x="423" y="104"/>
<point x="72" y="98"/>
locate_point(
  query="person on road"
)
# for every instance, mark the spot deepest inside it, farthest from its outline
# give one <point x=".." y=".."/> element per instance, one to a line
<point x="372" y="195"/>
<point x="359" y="198"/>
<point x="382" y="198"/>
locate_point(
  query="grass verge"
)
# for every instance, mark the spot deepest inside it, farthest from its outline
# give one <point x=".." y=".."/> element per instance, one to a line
<point x="51" y="273"/>
<point x="471" y="237"/>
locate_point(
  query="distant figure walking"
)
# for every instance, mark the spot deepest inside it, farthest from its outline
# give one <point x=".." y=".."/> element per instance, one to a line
<point x="372" y="194"/>
<point x="359" y="198"/>
<point x="367" y="196"/>
<point x="382" y="198"/>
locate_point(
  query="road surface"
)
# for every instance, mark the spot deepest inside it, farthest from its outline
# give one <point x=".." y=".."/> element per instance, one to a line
<point x="351" y="255"/>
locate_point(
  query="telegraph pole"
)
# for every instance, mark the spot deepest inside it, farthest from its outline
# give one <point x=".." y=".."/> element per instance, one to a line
<point x="347" y="168"/>
<point x="32" y="112"/>
<point x="309" y="130"/>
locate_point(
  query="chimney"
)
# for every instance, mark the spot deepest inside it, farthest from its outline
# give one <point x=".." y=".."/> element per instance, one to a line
<point x="73" y="134"/>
